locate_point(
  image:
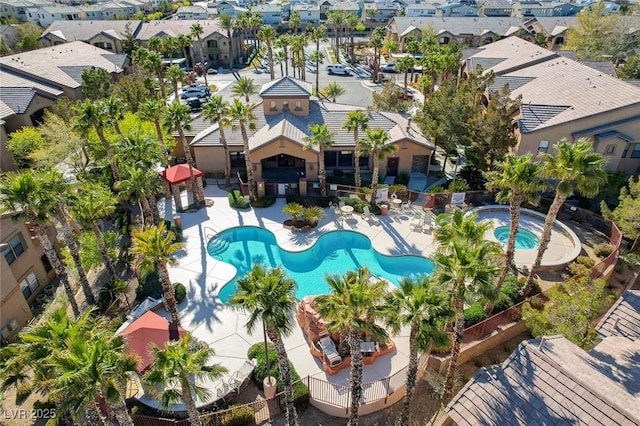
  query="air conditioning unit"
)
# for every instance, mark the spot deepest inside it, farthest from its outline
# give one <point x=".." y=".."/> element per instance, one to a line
<point x="13" y="325"/>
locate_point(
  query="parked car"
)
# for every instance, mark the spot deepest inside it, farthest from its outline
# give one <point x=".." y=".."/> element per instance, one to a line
<point x="406" y="96"/>
<point x="195" y="104"/>
<point x="338" y="69"/>
<point x="388" y="67"/>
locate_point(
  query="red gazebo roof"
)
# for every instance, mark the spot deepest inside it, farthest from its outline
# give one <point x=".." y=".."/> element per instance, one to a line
<point x="178" y="174"/>
<point x="149" y="328"/>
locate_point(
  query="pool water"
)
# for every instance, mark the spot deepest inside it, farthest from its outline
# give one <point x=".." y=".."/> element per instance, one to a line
<point x="525" y="239"/>
<point x="334" y="253"/>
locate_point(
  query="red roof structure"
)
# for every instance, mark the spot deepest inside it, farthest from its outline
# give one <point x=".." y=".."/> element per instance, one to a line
<point x="179" y="173"/>
<point x="149" y="329"/>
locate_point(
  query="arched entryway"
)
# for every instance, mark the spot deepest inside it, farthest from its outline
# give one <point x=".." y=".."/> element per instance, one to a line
<point x="283" y="168"/>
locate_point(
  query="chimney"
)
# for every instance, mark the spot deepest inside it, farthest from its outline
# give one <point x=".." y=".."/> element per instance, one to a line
<point x="542" y="340"/>
<point x="408" y="124"/>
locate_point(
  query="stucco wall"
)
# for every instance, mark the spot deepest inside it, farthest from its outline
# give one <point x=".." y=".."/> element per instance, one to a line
<point x="297" y="106"/>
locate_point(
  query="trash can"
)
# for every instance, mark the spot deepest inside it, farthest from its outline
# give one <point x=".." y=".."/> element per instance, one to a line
<point x="384" y="209"/>
<point x="178" y="221"/>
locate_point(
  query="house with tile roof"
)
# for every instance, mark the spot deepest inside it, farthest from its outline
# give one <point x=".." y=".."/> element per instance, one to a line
<point x="562" y="98"/>
<point x="45" y="15"/>
<point x="281" y="165"/>
<point x="623" y="318"/>
<point x="552" y="381"/>
<point x="105" y="34"/>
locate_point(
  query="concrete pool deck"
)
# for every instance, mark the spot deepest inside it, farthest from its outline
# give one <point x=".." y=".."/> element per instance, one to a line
<point x="222" y="328"/>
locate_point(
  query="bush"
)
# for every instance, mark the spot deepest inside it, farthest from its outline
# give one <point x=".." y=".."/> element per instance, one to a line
<point x="357" y="204"/>
<point x="300" y="398"/>
<point x="436" y="189"/>
<point x="266" y="201"/>
<point x="150" y="285"/>
<point x="511" y="288"/>
<point x="311" y="201"/>
<point x="602" y="249"/>
<point x="474" y="314"/>
<point x="586" y="261"/>
<point x="236" y="416"/>
<point x="402" y="179"/>
<point x="180" y="292"/>
<point x="458" y="186"/>
<point x="576" y="268"/>
<point x="504" y="302"/>
<point x="578" y="217"/>
<point x="535" y="286"/>
<point x="237" y="200"/>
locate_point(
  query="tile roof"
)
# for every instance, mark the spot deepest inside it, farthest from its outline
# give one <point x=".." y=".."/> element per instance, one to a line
<point x="534" y="116"/>
<point x="46" y="64"/>
<point x="514" y="82"/>
<point x="11" y="79"/>
<point x="555" y="382"/>
<point x="85" y="30"/>
<point x="623" y="319"/>
<point x="286" y="86"/>
<point x="509" y="54"/>
<point x="458" y="25"/>
<point x="17" y="98"/>
<point x="5" y="111"/>
<point x="605" y="67"/>
<point x="295" y="128"/>
<point x="176" y="27"/>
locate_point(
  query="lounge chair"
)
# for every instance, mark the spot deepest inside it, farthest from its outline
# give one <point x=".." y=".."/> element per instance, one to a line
<point x="330" y="351"/>
<point x="366" y="214"/>
<point x="223" y="390"/>
<point x="418" y="222"/>
<point x="240" y="377"/>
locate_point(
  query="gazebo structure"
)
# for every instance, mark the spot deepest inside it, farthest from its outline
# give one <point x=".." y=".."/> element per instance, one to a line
<point x="176" y="175"/>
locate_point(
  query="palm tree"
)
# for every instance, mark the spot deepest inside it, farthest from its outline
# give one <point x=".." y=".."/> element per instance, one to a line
<point x="246" y="87"/>
<point x="115" y="109"/>
<point x="168" y="46"/>
<point x="94" y="202"/>
<point x="377" y="41"/>
<point x="356" y="120"/>
<point x="268" y="34"/>
<point x="153" y="64"/>
<point x="177" y="118"/>
<point x="336" y="19"/>
<point x="268" y="295"/>
<point x="317" y="35"/>
<point x="227" y="23"/>
<point x="153" y="110"/>
<point x="352" y="21"/>
<point x="318" y="58"/>
<point x="156" y="246"/>
<point x="332" y="91"/>
<point x="177" y="369"/>
<point x="26" y="196"/>
<point x="141" y="185"/>
<point x="185" y="41"/>
<point x="353" y="306"/>
<point x="197" y="31"/>
<point x="295" y="21"/>
<point x="175" y="75"/>
<point x="322" y="138"/>
<point x="55" y="184"/>
<point x="517" y="181"/>
<point x="217" y="110"/>
<point x="405" y="64"/>
<point x="424" y="307"/>
<point x="375" y="144"/>
<point x="93" y="115"/>
<point x="466" y="266"/>
<point x="575" y="167"/>
<point x="281" y="56"/>
<point x="283" y="43"/>
<point x="243" y="114"/>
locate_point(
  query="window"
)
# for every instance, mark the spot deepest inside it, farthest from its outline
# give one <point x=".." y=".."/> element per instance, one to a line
<point x="330" y="158"/>
<point x="15" y="247"/>
<point x="345" y="159"/>
<point x="636" y="151"/>
<point x="544" y="146"/>
<point x="237" y="159"/>
<point x="610" y="149"/>
<point x="364" y="161"/>
<point x="45" y="262"/>
<point x="273" y="106"/>
<point x="29" y="285"/>
<point x="298" y="106"/>
<point x="285" y="106"/>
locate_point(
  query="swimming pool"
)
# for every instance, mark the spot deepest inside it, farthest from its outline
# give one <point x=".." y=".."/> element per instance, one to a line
<point x="334" y="253"/>
<point x="525" y="239"/>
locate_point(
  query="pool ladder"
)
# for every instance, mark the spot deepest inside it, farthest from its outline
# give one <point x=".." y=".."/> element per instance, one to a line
<point x="209" y="233"/>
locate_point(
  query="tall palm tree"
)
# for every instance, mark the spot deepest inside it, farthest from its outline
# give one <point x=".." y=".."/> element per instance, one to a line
<point x="268" y="35"/>
<point x="177" y="369"/>
<point x="175" y="75"/>
<point x="295" y="21"/>
<point x="140" y="184"/>
<point x="377" y="41"/>
<point x="115" y="109"/>
<point x="353" y="22"/>
<point x="269" y="296"/>
<point x="168" y="46"/>
<point x="177" y="118"/>
<point x="186" y="41"/>
<point x="226" y="21"/>
<point x="356" y="120"/>
<point x="517" y="181"/>
<point x="217" y="110"/>
<point x="93" y="115"/>
<point x="575" y="167"/>
<point x="353" y="305"/>
<point x="197" y="31"/>
<point x="94" y="202"/>
<point x="56" y="185"/>
<point x="375" y="144"/>
<point x="466" y="266"/>
<point x="26" y="196"/>
<point x="245" y="86"/>
<point x="405" y="64"/>
<point x="155" y="246"/>
<point x="283" y="43"/>
<point x="153" y="110"/>
<point x="153" y="64"/>
<point x="318" y="58"/>
<point x="332" y="91"/>
<point x="423" y="306"/>
<point x="317" y="35"/>
<point x="298" y="43"/>
<point x="322" y="138"/>
<point x="336" y="19"/>
<point x="243" y="114"/>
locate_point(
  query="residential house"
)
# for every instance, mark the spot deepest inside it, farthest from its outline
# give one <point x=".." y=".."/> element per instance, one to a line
<point x="46" y="15"/>
<point x="421" y="9"/>
<point x="494" y="8"/>
<point x="17" y="9"/>
<point x="562" y="98"/>
<point x="61" y="66"/>
<point x="107" y="35"/>
<point x="527" y="9"/>
<point x="623" y="318"/>
<point x="24" y="273"/>
<point x="271" y="13"/>
<point x="229" y="8"/>
<point x="191" y="12"/>
<point x="112" y="10"/>
<point x="280" y="164"/>
<point x="346" y="6"/>
<point x="457" y="9"/>
<point x="214" y="39"/>
<point x="379" y="12"/>
<point x="309" y="13"/>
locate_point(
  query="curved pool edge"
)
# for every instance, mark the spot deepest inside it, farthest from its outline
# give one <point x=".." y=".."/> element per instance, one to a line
<point x="564" y="229"/>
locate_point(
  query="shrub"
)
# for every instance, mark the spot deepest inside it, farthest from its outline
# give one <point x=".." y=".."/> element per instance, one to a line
<point x="180" y="292"/>
<point x="357" y="204"/>
<point x="239" y="415"/>
<point x="150" y="285"/>
<point x="586" y="261"/>
<point x="535" y="286"/>
<point x="402" y="179"/>
<point x="504" y="302"/>
<point x="602" y="249"/>
<point x="399" y="190"/>
<point x="578" y="217"/>
<point x="458" y="186"/>
<point x="473" y="177"/>
<point x="474" y="314"/>
<point x="575" y="268"/>
<point x="311" y="201"/>
<point x="300" y="398"/>
<point x="511" y="288"/>
<point x="313" y="214"/>
<point x="436" y="189"/>
<point x="237" y="200"/>
<point x="266" y="201"/>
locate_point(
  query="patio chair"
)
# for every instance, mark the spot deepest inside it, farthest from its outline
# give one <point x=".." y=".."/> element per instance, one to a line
<point x="223" y="390"/>
<point x="406" y="207"/>
<point x="338" y="214"/>
<point x="240" y="377"/>
<point x="341" y="203"/>
<point x="366" y="214"/>
<point x="330" y="351"/>
<point x="418" y="222"/>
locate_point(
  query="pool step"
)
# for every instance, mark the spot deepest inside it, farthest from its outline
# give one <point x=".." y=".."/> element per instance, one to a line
<point x="217" y="246"/>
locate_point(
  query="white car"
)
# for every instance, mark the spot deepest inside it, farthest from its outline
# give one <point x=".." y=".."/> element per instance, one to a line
<point x="338" y="69"/>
